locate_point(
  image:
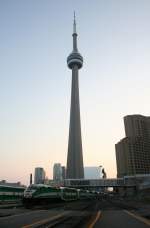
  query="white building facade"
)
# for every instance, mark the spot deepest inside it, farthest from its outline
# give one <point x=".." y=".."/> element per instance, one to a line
<point x="92" y="172"/>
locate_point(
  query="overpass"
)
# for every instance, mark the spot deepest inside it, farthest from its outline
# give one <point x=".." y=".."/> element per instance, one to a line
<point x="127" y="181"/>
<point x="110" y="182"/>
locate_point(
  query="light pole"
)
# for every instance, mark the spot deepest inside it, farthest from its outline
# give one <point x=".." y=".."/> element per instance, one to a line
<point x="100" y="170"/>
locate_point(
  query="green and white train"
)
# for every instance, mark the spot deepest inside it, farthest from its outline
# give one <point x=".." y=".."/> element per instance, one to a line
<point x="10" y="193"/>
<point x="39" y="193"/>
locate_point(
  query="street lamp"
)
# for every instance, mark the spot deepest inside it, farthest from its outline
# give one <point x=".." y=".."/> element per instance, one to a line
<point x="100" y="170"/>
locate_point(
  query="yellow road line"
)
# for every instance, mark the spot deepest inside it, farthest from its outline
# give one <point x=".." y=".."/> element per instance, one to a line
<point x="95" y="220"/>
<point x="146" y="221"/>
<point x="41" y="222"/>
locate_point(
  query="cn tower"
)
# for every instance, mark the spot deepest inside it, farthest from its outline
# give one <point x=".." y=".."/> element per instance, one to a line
<point x="75" y="168"/>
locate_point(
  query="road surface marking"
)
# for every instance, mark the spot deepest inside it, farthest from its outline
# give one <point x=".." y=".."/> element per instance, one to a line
<point x="138" y="217"/>
<point x="26" y="213"/>
<point x="95" y="220"/>
<point x="41" y="222"/>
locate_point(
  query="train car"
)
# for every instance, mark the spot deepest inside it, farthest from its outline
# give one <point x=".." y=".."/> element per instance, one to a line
<point x="92" y="194"/>
<point x="83" y="194"/>
<point x="68" y="194"/>
<point x="10" y="193"/>
<point x="41" y="194"/>
<point x="86" y="194"/>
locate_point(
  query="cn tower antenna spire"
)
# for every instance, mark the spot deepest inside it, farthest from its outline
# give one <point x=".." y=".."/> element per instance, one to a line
<point x="74" y="34"/>
<point x="74" y="24"/>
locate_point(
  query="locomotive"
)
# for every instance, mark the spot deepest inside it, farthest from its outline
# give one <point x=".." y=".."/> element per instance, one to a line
<point x="40" y="194"/>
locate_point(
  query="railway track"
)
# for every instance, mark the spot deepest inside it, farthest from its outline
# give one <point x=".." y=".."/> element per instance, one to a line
<point x="10" y="205"/>
<point x="74" y="216"/>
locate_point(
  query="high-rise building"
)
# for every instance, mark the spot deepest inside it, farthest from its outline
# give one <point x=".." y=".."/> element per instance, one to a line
<point x="75" y="158"/>
<point x="39" y="175"/>
<point x="133" y="151"/>
<point x="63" y="172"/>
<point x="137" y="126"/>
<point x="57" y="172"/>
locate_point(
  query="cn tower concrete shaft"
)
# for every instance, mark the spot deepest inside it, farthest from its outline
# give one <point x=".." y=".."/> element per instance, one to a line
<point x="75" y="168"/>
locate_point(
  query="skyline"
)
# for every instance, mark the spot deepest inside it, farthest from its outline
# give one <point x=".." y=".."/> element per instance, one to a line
<point x="34" y="42"/>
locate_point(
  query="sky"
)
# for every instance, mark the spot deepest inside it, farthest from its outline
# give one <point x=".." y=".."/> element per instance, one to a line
<point x="35" y="82"/>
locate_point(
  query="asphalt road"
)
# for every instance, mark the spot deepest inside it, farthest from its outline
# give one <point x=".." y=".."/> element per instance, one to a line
<point x="103" y="215"/>
<point x="111" y="216"/>
<point x="118" y="219"/>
